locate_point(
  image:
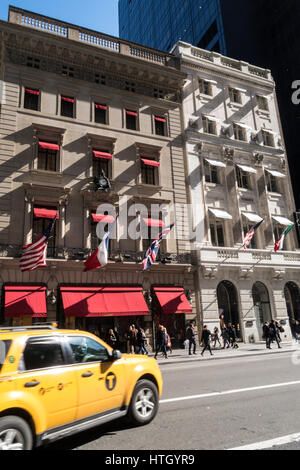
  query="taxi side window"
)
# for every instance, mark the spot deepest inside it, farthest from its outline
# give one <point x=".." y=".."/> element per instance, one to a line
<point x="42" y="353"/>
<point x="86" y="350"/>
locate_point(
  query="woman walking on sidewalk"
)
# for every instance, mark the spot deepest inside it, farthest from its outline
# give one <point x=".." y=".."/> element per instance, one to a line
<point x="206" y="340"/>
<point x="216" y="336"/>
<point x="161" y="342"/>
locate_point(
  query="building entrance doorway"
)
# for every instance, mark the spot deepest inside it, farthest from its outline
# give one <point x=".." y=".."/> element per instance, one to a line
<point x="262" y="306"/>
<point x="228" y="305"/>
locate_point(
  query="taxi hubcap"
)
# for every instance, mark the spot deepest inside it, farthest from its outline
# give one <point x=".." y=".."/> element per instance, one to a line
<point x="11" y="439"/>
<point x="145" y="402"/>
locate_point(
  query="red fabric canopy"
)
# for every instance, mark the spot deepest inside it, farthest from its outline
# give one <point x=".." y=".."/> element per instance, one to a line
<point x="172" y="300"/>
<point x="45" y="213"/>
<point x="150" y="162"/>
<point x="131" y="113"/>
<point x="104" y="218"/>
<point x="101" y="106"/>
<point x="32" y="92"/>
<point x="160" y="119"/>
<point x="23" y="301"/>
<point x="66" y="98"/>
<point x="106" y="155"/>
<point x="111" y="301"/>
<point x="48" y="145"/>
<point x="154" y="222"/>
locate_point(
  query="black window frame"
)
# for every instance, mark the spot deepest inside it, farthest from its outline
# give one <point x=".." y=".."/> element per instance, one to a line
<point x="214" y="228"/>
<point x="47" y="160"/>
<point x="31" y="101"/>
<point x="131" y="120"/>
<point x="100" y="115"/>
<point x="67" y="108"/>
<point x="45" y="339"/>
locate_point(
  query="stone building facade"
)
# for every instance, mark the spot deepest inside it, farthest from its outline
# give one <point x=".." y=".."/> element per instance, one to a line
<point x="238" y="175"/>
<point x="78" y="102"/>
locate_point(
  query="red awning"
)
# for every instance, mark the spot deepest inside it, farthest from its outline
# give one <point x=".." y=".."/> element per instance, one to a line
<point x="131" y="113"/>
<point x="23" y="301"/>
<point x="150" y="162"/>
<point x="172" y="300"/>
<point x="32" y="92"/>
<point x="101" y="106"/>
<point x="106" y="155"/>
<point x="48" y="145"/>
<point x="103" y="301"/>
<point x="154" y="222"/>
<point x="45" y="213"/>
<point x="103" y="218"/>
<point x="160" y="119"/>
<point x="66" y="98"/>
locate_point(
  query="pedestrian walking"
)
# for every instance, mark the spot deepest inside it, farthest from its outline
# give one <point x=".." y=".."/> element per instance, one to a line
<point x="206" y="340"/>
<point x="161" y="342"/>
<point x="111" y="339"/>
<point x="225" y="336"/>
<point x="141" y="341"/>
<point x="216" y="336"/>
<point x="232" y="336"/>
<point x="169" y="342"/>
<point x="266" y="335"/>
<point x="294" y="329"/>
<point x="273" y="333"/>
<point x="191" y="337"/>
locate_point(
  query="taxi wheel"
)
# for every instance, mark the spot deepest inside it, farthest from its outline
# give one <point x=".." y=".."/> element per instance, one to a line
<point x="144" y="403"/>
<point x="15" y="434"/>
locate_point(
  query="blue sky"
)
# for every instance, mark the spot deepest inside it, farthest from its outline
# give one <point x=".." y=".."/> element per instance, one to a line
<point x="100" y="15"/>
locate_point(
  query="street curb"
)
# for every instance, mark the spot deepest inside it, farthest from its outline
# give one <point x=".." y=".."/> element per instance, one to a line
<point x="209" y="358"/>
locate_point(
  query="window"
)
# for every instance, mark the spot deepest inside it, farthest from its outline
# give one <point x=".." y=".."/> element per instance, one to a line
<point x="40" y="224"/>
<point x="100" y="164"/>
<point x="34" y="63"/>
<point x="209" y="126"/>
<point x="47" y="157"/>
<point x="100" y="113"/>
<point x="262" y="103"/>
<point x="130" y="86"/>
<point x="41" y="353"/>
<point x="67" y="106"/>
<point x="4" y="347"/>
<point x="235" y="96"/>
<point x="131" y="120"/>
<point x="246" y="229"/>
<point x="31" y="99"/>
<point x="239" y="132"/>
<point x="85" y="350"/>
<point x="100" y="79"/>
<point x="160" y="125"/>
<point x="67" y="71"/>
<point x="243" y="178"/>
<point x="157" y="93"/>
<point x="217" y="233"/>
<point x="149" y="171"/>
<point x="211" y="173"/>
<point x="268" y="139"/>
<point x="205" y="87"/>
<point x="272" y="183"/>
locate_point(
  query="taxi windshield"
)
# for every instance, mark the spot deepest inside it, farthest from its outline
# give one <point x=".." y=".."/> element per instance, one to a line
<point x="4" y="347"/>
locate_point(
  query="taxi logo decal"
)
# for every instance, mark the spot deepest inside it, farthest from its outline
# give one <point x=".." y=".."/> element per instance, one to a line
<point x="110" y="381"/>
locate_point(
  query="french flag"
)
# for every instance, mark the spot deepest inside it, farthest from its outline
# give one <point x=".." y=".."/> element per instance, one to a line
<point x="99" y="258"/>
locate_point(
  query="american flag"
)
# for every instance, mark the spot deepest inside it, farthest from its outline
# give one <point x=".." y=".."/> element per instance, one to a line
<point x="34" y="255"/>
<point x="250" y="234"/>
<point x="151" y="253"/>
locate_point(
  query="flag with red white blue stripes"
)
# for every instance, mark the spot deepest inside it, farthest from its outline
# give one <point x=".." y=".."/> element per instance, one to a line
<point x="34" y="255"/>
<point x="250" y="235"/>
<point x="151" y="253"/>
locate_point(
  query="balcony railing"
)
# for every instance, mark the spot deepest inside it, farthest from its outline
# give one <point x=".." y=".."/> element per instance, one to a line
<point x="90" y="37"/>
<point x="78" y="254"/>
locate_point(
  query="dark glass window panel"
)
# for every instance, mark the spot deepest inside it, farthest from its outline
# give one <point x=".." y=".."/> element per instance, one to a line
<point x="31" y="101"/>
<point x="47" y="159"/>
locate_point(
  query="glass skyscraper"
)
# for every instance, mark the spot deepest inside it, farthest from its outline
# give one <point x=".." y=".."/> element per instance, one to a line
<point x="161" y="23"/>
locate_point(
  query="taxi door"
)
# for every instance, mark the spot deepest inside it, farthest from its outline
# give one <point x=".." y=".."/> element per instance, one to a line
<point x="100" y="382"/>
<point x="46" y="383"/>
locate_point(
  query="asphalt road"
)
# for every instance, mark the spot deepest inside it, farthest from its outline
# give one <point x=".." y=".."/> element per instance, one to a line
<point x="213" y="405"/>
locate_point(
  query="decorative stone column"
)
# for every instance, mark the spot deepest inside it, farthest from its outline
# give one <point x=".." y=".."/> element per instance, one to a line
<point x="28" y="219"/>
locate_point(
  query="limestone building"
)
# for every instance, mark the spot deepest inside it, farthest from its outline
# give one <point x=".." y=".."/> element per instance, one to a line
<point x="76" y="103"/>
<point x="237" y="175"/>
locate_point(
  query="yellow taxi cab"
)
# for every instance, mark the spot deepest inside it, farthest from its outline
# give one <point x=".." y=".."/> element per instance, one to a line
<point x="54" y="383"/>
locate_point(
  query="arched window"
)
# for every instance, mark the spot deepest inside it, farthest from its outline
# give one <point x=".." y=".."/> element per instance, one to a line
<point x="228" y="303"/>
<point x="292" y="298"/>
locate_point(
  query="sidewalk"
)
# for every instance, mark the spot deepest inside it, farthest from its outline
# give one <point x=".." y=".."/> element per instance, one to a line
<point x="244" y="350"/>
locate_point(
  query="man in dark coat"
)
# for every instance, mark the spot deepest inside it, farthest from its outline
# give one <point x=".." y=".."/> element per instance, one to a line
<point x="206" y="340"/>
<point x="161" y="342"/>
<point x="274" y="333"/>
<point x="266" y="334"/>
<point x="191" y="337"/>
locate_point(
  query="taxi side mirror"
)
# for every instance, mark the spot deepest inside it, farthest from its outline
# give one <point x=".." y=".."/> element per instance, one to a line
<point x="116" y="355"/>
